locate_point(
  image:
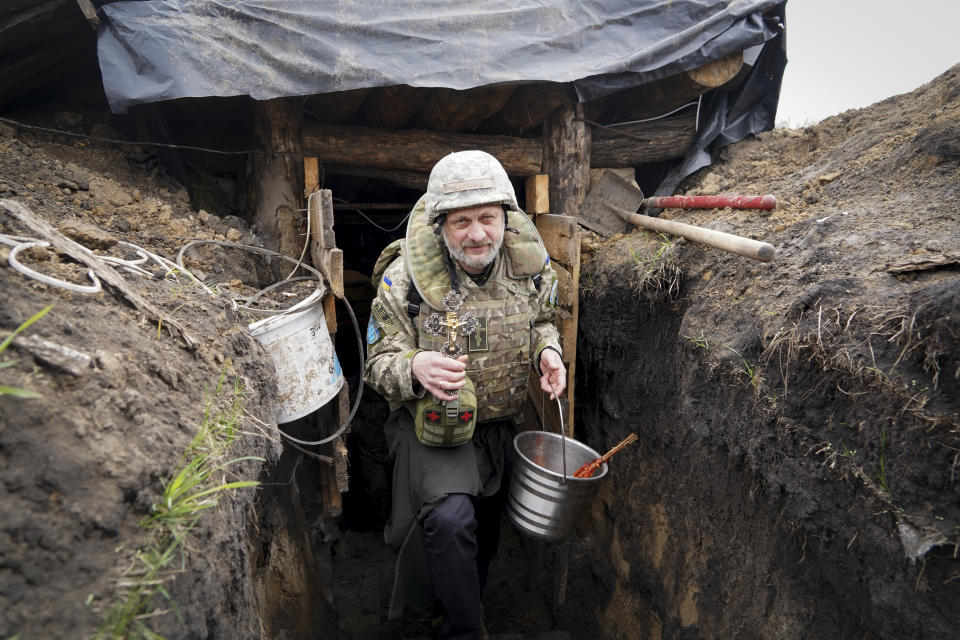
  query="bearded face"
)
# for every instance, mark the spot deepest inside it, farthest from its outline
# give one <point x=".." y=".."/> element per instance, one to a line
<point x="474" y="235"/>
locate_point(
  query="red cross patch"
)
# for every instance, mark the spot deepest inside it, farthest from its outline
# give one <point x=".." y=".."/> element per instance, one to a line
<point x="465" y="416"/>
<point x="432" y="416"/>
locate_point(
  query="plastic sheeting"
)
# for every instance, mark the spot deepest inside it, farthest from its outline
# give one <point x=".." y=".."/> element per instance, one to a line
<point x="159" y="50"/>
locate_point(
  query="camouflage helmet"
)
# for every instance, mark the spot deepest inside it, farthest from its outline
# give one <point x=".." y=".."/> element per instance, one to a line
<point x="467" y="179"/>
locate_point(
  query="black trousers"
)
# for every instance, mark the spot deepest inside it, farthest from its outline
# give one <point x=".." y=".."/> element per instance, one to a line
<point x="462" y="534"/>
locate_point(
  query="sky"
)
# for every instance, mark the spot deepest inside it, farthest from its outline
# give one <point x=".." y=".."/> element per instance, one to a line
<point x="846" y="54"/>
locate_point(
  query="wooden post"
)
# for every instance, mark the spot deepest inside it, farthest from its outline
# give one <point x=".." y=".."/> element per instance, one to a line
<point x="276" y="182"/>
<point x="566" y="158"/>
<point x="538" y="194"/>
<point x="561" y="236"/>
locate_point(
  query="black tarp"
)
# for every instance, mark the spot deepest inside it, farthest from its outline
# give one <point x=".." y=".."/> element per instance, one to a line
<point x="153" y="50"/>
<point x="158" y="50"/>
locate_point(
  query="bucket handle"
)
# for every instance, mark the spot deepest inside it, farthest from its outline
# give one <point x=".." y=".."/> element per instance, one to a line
<point x="563" y="430"/>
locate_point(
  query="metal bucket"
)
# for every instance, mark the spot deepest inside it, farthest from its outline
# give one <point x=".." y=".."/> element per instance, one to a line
<point x="543" y="503"/>
<point x="308" y="372"/>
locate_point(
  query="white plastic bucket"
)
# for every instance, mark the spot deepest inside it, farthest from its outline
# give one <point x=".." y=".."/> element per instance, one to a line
<point x="308" y="372"/>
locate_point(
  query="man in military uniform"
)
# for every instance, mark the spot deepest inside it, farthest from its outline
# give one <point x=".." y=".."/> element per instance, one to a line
<point x="461" y="314"/>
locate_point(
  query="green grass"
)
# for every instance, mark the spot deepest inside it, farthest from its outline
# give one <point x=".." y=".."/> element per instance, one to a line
<point x="14" y="391"/>
<point x="194" y="488"/>
<point x="882" y="463"/>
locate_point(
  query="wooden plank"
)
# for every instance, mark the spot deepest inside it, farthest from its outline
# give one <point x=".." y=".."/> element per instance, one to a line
<point x="90" y="13"/>
<point x="567" y="328"/>
<point x="311" y="175"/>
<point x="328" y="239"/>
<point x="565" y="288"/>
<point x="538" y="194"/>
<point x="561" y="236"/>
<point x="334" y="264"/>
<point x="330" y="312"/>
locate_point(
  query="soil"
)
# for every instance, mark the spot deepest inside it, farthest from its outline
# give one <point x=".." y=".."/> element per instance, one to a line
<point x="797" y="470"/>
<point x="796" y="473"/>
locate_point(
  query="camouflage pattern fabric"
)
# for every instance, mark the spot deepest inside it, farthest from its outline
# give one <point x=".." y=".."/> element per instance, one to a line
<point x="519" y="323"/>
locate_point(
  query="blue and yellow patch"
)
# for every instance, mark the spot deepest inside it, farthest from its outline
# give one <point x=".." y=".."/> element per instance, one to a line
<point x="386" y="284"/>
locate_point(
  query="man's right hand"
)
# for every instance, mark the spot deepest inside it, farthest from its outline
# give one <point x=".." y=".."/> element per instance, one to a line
<point x="439" y="374"/>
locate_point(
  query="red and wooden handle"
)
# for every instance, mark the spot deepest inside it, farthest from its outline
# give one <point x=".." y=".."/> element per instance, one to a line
<point x="764" y="203"/>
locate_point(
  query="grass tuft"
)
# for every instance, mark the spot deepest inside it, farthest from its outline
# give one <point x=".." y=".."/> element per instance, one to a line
<point x="14" y="391"/>
<point x="195" y="487"/>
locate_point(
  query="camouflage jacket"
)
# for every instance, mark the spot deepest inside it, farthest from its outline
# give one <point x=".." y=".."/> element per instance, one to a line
<point x="517" y="322"/>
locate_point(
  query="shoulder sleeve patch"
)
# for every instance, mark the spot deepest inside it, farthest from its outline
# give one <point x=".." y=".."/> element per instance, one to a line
<point x="383" y="318"/>
<point x="373" y="332"/>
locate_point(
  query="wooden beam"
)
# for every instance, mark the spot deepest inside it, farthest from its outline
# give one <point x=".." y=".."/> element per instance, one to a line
<point x="566" y="158"/>
<point x="414" y="149"/>
<point x="406" y="156"/>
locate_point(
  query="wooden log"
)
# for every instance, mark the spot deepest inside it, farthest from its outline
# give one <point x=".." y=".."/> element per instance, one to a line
<point x="416" y="180"/>
<point x="414" y="149"/>
<point x="662" y="96"/>
<point x="566" y="158"/>
<point x="643" y="143"/>
<point x="452" y="110"/>
<point x="335" y="108"/>
<point x="391" y="107"/>
<point x="277" y="179"/>
<point x="528" y="106"/>
<point x="718" y="72"/>
<point x="405" y="156"/>
<point x="538" y="194"/>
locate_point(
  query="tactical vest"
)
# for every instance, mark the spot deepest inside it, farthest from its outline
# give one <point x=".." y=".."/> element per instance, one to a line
<point x="506" y="305"/>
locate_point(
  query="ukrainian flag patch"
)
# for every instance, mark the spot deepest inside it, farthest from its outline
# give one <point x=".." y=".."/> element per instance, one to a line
<point x="386" y="283"/>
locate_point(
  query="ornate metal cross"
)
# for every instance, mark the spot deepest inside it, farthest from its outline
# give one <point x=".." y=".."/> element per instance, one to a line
<point x="451" y="324"/>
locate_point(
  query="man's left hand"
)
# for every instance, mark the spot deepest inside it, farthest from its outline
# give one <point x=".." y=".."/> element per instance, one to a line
<point x="553" y="375"/>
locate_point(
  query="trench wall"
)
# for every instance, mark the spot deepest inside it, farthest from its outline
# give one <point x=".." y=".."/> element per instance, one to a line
<point x="720" y="521"/>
